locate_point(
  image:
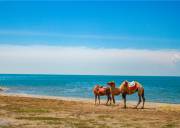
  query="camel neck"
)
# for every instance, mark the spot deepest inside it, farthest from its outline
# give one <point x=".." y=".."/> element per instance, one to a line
<point x="112" y="88"/>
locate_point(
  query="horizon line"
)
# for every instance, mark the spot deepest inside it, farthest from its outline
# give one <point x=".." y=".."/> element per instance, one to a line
<point x="58" y="74"/>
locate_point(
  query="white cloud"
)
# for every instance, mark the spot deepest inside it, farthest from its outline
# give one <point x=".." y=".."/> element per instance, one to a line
<point x="176" y="58"/>
<point x="83" y="60"/>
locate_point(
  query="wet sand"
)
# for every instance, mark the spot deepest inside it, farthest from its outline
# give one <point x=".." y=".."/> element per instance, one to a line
<point x="27" y="111"/>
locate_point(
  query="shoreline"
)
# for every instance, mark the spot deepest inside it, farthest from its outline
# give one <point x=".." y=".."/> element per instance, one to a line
<point x="85" y="100"/>
<point x="47" y="97"/>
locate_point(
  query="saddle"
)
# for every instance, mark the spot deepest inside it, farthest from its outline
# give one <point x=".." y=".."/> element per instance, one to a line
<point x="131" y="87"/>
<point x="102" y="90"/>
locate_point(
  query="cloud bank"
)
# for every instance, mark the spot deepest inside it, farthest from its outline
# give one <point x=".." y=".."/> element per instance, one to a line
<point x="82" y="60"/>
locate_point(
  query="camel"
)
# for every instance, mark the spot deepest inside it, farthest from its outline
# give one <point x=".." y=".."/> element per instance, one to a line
<point x="127" y="89"/>
<point x="102" y="91"/>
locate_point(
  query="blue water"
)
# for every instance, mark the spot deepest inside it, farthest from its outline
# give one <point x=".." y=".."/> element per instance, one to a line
<point x="157" y="88"/>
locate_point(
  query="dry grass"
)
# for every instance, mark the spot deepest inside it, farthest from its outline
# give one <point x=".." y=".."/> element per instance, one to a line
<point x="24" y="112"/>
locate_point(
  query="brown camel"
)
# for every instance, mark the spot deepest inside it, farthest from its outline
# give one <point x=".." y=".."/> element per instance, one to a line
<point x="102" y="91"/>
<point x="126" y="89"/>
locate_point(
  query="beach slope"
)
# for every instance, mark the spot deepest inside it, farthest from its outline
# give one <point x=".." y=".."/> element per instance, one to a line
<point x="31" y="112"/>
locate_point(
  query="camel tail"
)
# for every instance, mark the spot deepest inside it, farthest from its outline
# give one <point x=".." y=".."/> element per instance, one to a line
<point x="96" y="89"/>
<point x="143" y="92"/>
<point x="143" y="95"/>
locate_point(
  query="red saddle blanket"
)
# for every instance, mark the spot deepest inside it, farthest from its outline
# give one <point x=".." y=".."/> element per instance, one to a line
<point x="102" y="90"/>
<point x="131" y="88"/>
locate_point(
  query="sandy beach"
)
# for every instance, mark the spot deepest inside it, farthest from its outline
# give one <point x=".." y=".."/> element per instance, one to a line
<point x="57" y="56"/>
<point x="25" y="111"/>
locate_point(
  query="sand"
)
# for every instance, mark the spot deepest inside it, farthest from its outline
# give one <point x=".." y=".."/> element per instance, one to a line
<point x="25" y="111"/>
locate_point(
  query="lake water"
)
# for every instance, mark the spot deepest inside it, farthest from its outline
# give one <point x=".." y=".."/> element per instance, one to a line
<point x="157" y="88"/>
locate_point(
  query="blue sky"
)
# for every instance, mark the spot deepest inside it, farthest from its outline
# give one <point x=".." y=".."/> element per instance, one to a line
<point x="132" y="24"/>
<point x="140" y="26"/>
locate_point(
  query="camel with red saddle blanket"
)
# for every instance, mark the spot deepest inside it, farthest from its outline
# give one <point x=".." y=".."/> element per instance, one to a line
<point x="102" y="91"/>
<point x="127" y="88"/>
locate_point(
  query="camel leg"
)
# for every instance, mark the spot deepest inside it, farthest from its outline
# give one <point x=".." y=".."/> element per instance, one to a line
<point x="113" y="99"/>
<point x="139" y="100"/>
<point x="143" y="99"/>
<point x="107" y="99"/>
<point x="95" y="99"/>
<point x="99" y="99"/>
<point x="110" y="99"/>
<point x="124" y="98"/>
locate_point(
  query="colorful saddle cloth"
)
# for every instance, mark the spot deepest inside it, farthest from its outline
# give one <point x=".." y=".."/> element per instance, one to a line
<point x="132" y="87"/>
<point x="102" y="90"/>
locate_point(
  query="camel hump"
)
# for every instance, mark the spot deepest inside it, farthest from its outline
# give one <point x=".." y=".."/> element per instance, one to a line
<point x="138" y="84"/>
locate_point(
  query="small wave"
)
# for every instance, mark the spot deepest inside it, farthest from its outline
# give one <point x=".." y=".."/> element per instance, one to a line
<point x="3" y="89"/>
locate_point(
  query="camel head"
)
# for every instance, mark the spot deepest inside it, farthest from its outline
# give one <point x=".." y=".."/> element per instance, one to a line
<point x="111" y="84"/>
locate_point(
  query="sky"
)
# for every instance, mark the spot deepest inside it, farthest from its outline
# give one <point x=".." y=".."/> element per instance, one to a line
<point x="92" y="38"/>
